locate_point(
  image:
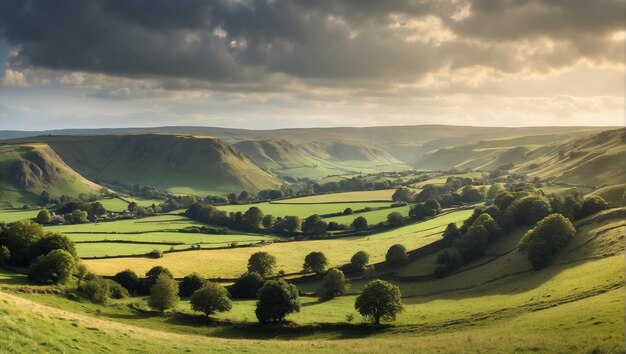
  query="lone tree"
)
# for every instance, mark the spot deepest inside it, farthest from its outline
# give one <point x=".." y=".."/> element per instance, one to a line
<point x="44" y="217"/>
<point x="247" y="286"/>
<point x="360" y="259"/>
<point x="190" y="284"/>
<point x="262" y="263"/>
<point x="549" y="236"/>
<point x="360" y="223"/>
<point x="54" y="268"/>
<point x="379" y="300"/>
<point x="211" y="298"/>
<point x="396" y="255"/>
<point x="315" y="262"/>
<point x="164" y="293"/>
<point x="277" y="299"/>
<point x="333" y="285"/>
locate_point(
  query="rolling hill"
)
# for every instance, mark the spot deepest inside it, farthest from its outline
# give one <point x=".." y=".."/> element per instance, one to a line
<point x="317" y="160"/>
<point x="27" y="170"/>
<point x="179" y="164"/>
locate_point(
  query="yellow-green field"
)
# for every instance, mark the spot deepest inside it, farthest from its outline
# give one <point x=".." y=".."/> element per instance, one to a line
<point x="290" y="255"/>
<point x="360" y="196"/>
<point x="303" y="210"/>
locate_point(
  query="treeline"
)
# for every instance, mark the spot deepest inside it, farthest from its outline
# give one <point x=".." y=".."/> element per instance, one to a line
<point x="550" y="219"/>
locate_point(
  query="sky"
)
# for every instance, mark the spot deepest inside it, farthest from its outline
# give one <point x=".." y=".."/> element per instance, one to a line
<point x="265" y="64"/>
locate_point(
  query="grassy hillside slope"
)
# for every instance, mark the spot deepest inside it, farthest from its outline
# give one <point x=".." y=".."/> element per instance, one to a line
<point x="179" y="164"/>
<point x="28" y="170"/>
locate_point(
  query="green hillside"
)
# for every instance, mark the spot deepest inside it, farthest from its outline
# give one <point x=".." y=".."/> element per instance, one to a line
<point x="179" y="164"/>
<point x="317" y="160"/>
<point x="28" y="170"/>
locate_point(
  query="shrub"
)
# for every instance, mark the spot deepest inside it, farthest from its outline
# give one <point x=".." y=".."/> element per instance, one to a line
<point x="164" y="293"/>
<point x="96" y="290"/>
<point x="360" y="259"/>
<point x="277" y="299"/>
<point x="451" y="233"/>
<point x="247" y="286"/>
<point x="396" y="255"/>
<point x="211" y="298"/>
<point x="315" y="262"/>
<point x="333" y="285"/>
<point x="549" y="236"/>
<point x="379" y="300"/>
<point x="262" y="263"/>
<point x="129" y="280"/>
<point x="44" y="217"/>
<point x="80" y="272"/>
<point x="593" y="205"/>
<point x="53" y="268"/>
<point x="190" y="284"/>
<point x="155" y="254"/>
<point x="360" y="223"/>
<point x="395" y="219"/>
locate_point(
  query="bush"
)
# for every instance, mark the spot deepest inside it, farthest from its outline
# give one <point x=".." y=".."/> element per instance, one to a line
<point x="473" y="243"/>
<point x="396" y="255"/>
<point x="360" y="259"/>
<point x="333" y="285"/>
<point x="53" y="268"/>
<point x="155" y="254"/>
<point x="447" y="262"/>
<point x="247" y="286"/>
<point x="44" y="217"/>
<point x="277" y="299"/>
<point x="52" y="241"/>
<point x="315" y="262"/>
<point x="190" y="284"/>
<point x="164" y="293"/>
<point x="593" y="205"/>
<point x="360" y="223"/>
<point x="19" y="238"/>
<point x="262" y="263"/>
<point x="129" y="280"/>
<point x="211" y="298"/>
<point x="451" y="233"/>
<point x="379" y="300"/>
<point x="549" y="236"/>
<point x="5" y="255"/>
<point x="395" y="219"/>
<point x="96" y="290"/>
<point x="314" y="226"/>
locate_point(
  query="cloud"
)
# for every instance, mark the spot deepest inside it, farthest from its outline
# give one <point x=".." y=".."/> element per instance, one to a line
<point x="319" y="43"/>
<point x="14" y="78"/>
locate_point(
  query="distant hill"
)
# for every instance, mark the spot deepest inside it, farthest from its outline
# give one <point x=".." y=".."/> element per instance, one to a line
<point x="317" y="160"/>
<point x="28" y="170"/>
<point x="179" y="164"/>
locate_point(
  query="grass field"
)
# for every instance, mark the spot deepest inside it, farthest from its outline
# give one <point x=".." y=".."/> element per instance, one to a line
<point x="13" y="215"/>
<point x="152" y="223"/>
<point x="373" y="217"/>
<point x="303" y="210"/>
<point x="290" y="255"/>
<point x="360" y="196"/>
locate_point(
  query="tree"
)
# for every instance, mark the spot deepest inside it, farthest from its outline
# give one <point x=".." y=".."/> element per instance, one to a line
<point x="129" y="280"/>
<point x="395" y="219"/>
<point x="379" y="300"/>
<point x="44" y="198"/>
<point x="153" y="274"/>
<point x="268" y="221"/>
<point x="396" y="255"/>
<point x="433" y="205"/>
<point x="490" y="225"/>
<point x="360" y="259"/>
<point x="544" y="240"/>
<point x="262" y="263"/>
<point x="289" y="224"/>
<point x="247" y="286"/>
<point x="44" y="217"/>
<point x="333" y="285"/>
<point x="211" y="298"/>
<point x="593" y="205"/>
<point x="132" y="207"/>
<point x="80" y="272"/>
<point x="189" y="284"/>
<point x="243" y="196"/>
<point x="253" y="217"/>
<point x="473" y="243"/>
<point x="164" y="293"/>
<point x="451" y="233"/>
<point x="19" y="237"/>
<point x="315" y="262"/>
<point x="54" y="268"/>
<point x="420" y="211"/>
<point x="5" y="255"/>
<point x="527" y="210"/>
<point x="96" y="290"/>
<point x="96" y="209"/>
<point x="314" y="226"/>
<point x="402" y="195"/>
<point x="360" y="223"/>
<point x="52" y="241"/>
<point x="76" y="217"/>
<point x="494" y="190"/>
<point x="277" y="299"/>
<point x="504" y="199"/>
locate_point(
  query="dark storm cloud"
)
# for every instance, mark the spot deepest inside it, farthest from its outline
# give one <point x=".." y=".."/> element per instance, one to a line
<point x="323" y="42"/>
